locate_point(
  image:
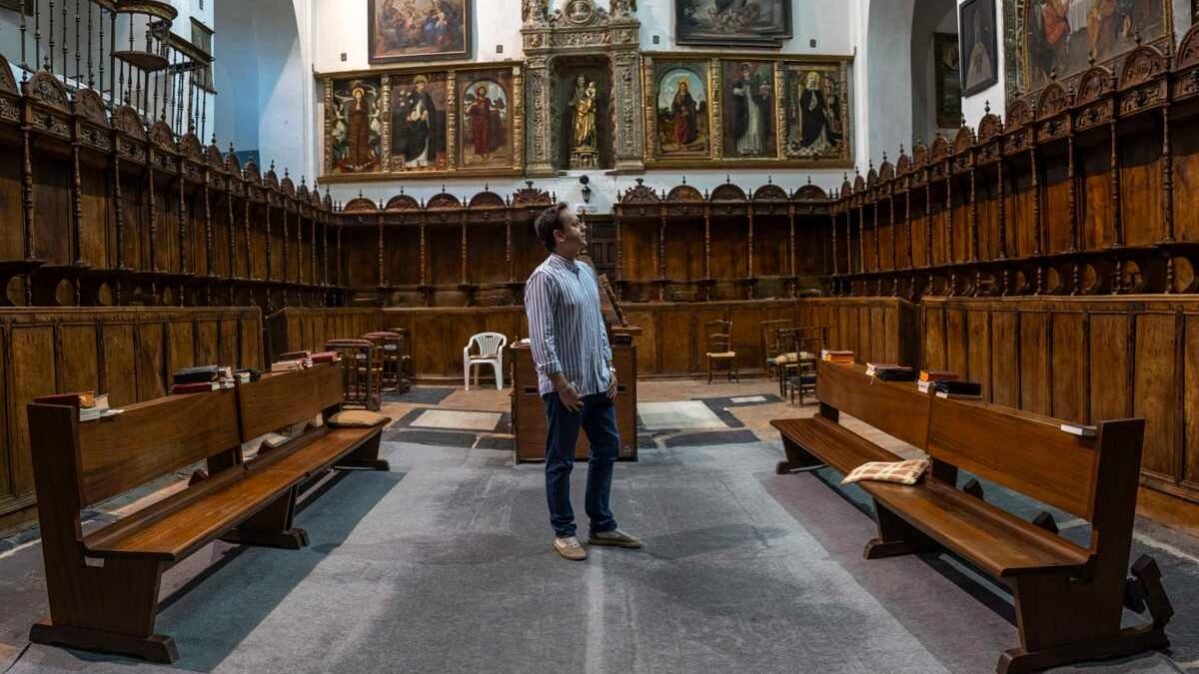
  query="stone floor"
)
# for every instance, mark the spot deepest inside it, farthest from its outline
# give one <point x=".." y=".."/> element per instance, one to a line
<point x="719" y="521"/>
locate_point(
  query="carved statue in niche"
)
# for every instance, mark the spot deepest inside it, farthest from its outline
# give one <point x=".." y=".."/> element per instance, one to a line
<point x="620" y="9"/>
<point x="535" y="12"/>
<point x="583" y="154"/>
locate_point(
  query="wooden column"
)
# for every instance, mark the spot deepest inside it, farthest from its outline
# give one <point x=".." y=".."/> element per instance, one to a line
<point x="662" y="254"/>
<point x="1036" y="216"/>
<point x="1001" y="210"/>
<point x="153" y="205"/>
<point x="791" y="251"/>
<point x="894" y="242"/>
<point x="749" y="258"/>
<point x="508" y="262"/>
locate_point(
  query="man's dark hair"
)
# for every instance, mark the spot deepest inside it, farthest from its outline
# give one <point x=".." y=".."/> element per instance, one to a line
<point x="549" y="222"/>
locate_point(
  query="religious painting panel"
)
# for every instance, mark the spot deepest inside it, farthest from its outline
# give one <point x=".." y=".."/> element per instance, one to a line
<point x="728" y="23"/>
<point x="948" y="69"/>
<point x="978" y="36"/>
<point x="1050" y="39"/>
<point x="354" y="126"/>
<point x="682" y="109"/>
<point x="418" y="30"/>
<point x="816" y="107"/>
<point x="486" y="120"/>
<point x="748" y="94"/>
<point x="418" y="122"/>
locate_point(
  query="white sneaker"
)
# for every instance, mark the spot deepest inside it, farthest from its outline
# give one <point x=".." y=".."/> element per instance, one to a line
<point x="570" y="548"/>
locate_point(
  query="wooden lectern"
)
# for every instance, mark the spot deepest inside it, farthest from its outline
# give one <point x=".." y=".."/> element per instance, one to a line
<point x="528" y="410"/>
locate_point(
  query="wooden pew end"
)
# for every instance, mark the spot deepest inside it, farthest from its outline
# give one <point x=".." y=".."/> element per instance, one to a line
<point x="154" y="648"/>
<point x="1128" y="642"/>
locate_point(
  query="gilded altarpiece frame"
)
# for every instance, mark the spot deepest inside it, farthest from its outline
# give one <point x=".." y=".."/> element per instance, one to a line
<point x="578" y="30"/>
<point x="444" y="86"/>
<point x="834" y="71"/>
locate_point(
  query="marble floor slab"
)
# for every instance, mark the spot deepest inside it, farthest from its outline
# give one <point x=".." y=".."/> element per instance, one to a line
<point x="680" y="415"/>
<point x="456" y="420"/>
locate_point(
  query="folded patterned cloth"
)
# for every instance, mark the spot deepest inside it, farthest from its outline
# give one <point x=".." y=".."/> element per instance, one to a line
<point x="900" y="472"/>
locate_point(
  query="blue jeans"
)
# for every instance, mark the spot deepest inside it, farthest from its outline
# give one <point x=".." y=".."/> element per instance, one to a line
<point x="598" y="419"/>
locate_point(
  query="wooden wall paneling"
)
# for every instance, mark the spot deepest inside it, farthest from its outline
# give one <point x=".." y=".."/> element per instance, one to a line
<point x="11" y="243"/>
<point x="251" y="343"/>
<point x="957" y="340"/>
<point x="1069" y="366"/>
<point x="1055" y="199"/>
<point x="207" y="342"/>
<point x="1005" y="356"/>
<point x="181" y="346"/>
<point x="647" y="343"/>
<point x="728" y="263"/>
<point x="1186" y="180"/>
<point x="1155" y="392"/>
<point x="32" y="374"/>
<point x="1022" y="233"/>
<point x="978" y="348"/>
<point x="256" y="224"/>
<point x="747" y="335"/>
<point x="1190" y="400"/>
<point x="78" y="363"/>
<point x="934" y="336"/>
<point x="166" y="222"/>
<point x="150" y="360"/>
<point x="197" y="230"/>
<point x="359" y="245"/>
<point x="94" y="226"/>
<point x="8" y="438"/>
<point x="230" y="349"/>
<point x="222" y="264"/>
<point x="1108" y="364"/>
<point x="680" y="344"/>
<point x="1096" y="201"/>
<point x="119" y="356"/>
<point x="134" y="223"/>
<point x="1141" y="187"/>
<point x="485" y="264"/>
<point x="962" y="239"/>
<point x="1035" y="375"/>
<point x="771" y="238"/>
<point x="53" y="210"/>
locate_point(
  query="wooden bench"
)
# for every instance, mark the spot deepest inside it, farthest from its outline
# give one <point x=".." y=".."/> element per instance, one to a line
<point x="104" y="586"/>
<point x="1068" y="599"/>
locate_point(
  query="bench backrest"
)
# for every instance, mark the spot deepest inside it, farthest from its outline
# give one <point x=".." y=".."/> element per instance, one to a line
<point x="895" y="408"/>
<point x="285" y="398"/>
<point x="1031" y="454"/>
<point x="147" y="441"/>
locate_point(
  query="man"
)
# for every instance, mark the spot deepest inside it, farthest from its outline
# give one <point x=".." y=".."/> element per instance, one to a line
<point x="575" y="379"/>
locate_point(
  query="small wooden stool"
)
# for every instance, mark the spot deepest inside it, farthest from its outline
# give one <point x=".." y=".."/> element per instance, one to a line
<point x="389" y="346"/>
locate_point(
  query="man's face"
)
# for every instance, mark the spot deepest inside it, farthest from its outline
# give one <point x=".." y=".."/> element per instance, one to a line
<point x="572" y="238"/>
<point x="420" y="87"/>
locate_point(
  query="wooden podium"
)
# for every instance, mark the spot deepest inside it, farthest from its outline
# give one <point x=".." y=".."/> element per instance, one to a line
<point x="528" y="409"/>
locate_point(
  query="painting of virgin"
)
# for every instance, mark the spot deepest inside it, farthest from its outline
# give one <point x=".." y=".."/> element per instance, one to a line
<point x="355" y="127"/>
<point x="418" y="122"/>
<point x="683" y="110"/>
<point x="485" y="139"/>
<point x="733" y="23"/>
<point x="418" y="30"/>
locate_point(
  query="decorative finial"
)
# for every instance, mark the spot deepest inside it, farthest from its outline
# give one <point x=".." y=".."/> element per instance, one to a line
<point x="809" y="179"/>
<point x="987" y="107"/>
<point x="769" y="180"/>
<point x="684" y="179"/>
<point x="1091" y="58"/>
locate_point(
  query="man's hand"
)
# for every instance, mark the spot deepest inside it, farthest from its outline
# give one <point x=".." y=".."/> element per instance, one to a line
<point x="612" y="389"/>
<point x="569" y="395"/>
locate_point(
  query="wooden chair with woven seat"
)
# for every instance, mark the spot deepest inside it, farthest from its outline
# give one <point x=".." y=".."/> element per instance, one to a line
<point x="771" y="346"/>
<point x="389" y="346"/>
<point x="799" y="371"/>
<point x="360" y="370"/>
<point x="720" y="348"/>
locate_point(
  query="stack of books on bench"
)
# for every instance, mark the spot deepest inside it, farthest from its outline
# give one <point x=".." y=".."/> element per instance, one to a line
<point x="930" y="377"/>
<point x="302" y="360"/>
<point x="90" y="405"/>
<point x="966" y="390"/>
<point x="205" y="378"/>
<point x="837" y="357"/>
<point x="891" y="372"/>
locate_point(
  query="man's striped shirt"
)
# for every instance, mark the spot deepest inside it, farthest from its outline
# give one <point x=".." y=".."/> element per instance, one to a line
<point x="566" y="328"/>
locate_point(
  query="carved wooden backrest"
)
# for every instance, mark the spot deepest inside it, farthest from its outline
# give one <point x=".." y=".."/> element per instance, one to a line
<point x="152" y="439"/>
<point x="897" y="409"/>
<point x="1024" y="452"/>
<point x="285" y="398"/>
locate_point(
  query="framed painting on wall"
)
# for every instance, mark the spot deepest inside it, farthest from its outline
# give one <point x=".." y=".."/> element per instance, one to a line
<point x="728" y="23"/>
<point x="418" y="122"/>
<point x="979" y="45"/>
<point x="947" y="70"/>
<point x="816" y="112"/>
<point x="418" y="30"/>
<point x="681" y="109"/>
<point x="354" y="124"/>
<point x="749" y="129"/>
<point x="487" y="120"/>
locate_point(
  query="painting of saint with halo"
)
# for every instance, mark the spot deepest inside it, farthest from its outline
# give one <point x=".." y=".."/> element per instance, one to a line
<point x="418" y="30"/>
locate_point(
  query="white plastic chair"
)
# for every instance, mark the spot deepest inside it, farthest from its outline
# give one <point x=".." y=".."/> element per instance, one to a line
<point x="491" y="352"/>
